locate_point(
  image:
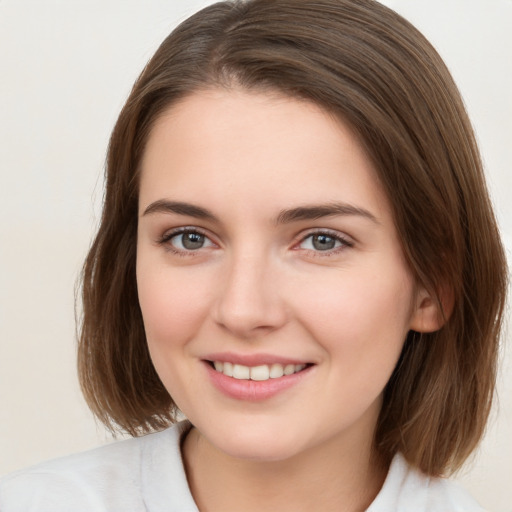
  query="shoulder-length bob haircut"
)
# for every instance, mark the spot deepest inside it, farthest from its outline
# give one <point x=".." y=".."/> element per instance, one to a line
<point x="364" y="63"/>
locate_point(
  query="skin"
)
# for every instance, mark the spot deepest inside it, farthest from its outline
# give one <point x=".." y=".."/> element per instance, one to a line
<point x="259" y="285"/>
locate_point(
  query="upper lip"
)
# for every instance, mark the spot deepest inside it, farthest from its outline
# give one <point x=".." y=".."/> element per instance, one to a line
<point x="253" y="359"/>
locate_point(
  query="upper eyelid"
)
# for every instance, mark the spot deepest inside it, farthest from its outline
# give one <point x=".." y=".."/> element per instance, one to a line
<point x="300" y="237"/>
<point x="165" y="241"/>
<point x="325" y="231"/>
<point x="169" y="233"/>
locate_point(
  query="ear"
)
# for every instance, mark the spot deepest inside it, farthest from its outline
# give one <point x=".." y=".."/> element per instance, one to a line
<point x="431" y="310"/>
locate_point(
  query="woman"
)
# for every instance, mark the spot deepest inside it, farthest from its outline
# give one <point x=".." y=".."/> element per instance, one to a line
<point x="298" y="252"/>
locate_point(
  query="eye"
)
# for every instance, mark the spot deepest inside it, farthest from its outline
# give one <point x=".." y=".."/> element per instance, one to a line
<point x="323" y="242"/>
<point x="187" y="240"/>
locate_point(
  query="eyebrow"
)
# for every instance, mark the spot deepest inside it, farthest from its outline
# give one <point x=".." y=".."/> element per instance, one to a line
<point x="323" y="210"/>
<point x="287" y="216"/>
<point x="190" y="210"/>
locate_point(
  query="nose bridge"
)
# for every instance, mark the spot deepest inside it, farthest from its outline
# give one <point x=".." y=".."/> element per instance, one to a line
<point x="250" y="300"/>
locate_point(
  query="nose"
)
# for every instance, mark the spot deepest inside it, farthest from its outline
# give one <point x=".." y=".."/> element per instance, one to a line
<point x="250" y="301"/>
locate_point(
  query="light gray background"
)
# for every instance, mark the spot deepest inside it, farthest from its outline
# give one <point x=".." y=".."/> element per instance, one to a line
<point x="66" y="66"/>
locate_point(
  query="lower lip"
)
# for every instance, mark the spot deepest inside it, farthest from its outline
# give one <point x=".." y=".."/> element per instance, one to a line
<point x="254" y="390"/>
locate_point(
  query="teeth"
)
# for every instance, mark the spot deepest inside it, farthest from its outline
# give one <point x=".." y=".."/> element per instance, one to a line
<point x="276" y="371"/>
<point x="241" y="372"/>
<point x="260" y="373"/>
<point x="227" y="369"/>
<point x="289" y="369"/>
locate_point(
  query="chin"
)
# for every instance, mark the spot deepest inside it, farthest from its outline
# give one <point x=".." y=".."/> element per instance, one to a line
<point x="254" y="444"/>
<point x="269" y="452"/>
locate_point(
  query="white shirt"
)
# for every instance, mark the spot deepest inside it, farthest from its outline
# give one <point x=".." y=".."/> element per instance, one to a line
<point x="146" y="474"/>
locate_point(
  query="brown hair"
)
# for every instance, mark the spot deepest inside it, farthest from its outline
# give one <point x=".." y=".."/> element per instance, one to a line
<point x="366" y="64"/>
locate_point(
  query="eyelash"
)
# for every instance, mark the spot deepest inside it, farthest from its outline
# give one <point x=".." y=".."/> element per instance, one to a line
<point x="337" y="237"/>
<point x="165" y="240"/>
<point x="343" y="241"/>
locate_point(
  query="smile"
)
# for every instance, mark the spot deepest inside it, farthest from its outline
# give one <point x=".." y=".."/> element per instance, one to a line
<point x="259" y="373"/>
<point x="257" y="379"/>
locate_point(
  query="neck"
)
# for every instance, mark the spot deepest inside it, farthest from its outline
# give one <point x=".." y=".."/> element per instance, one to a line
<point x="331" y="477"/>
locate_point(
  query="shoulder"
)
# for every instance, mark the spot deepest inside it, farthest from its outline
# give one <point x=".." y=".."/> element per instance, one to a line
<point x="407" y="489"/>
<point x="117" y="477"/>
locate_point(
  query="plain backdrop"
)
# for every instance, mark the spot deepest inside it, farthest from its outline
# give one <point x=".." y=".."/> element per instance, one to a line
<point x="66" y="66"/>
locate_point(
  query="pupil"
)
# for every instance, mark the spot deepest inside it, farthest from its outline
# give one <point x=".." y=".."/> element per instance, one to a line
<point x="192" y="240"/>
<point x="323" y="242"/>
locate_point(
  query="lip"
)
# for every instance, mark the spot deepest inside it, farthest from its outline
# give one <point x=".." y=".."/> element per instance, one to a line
<point x="252" y="390"/>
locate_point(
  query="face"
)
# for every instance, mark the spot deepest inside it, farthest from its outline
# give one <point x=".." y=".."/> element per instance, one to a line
<point x="272" y="284"/>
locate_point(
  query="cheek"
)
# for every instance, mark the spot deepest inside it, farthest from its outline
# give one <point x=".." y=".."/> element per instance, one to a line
<point x="360" y="317"/>
<point x="173" y="304"/>
<point x="173" y="309"/>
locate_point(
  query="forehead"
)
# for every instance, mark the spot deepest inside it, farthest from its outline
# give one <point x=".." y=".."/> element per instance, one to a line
<point x="255" y="149"/>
